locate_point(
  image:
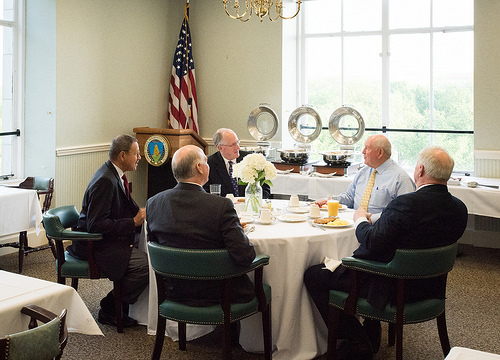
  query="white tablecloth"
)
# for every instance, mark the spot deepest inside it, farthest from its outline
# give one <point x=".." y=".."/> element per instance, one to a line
<point x="19" y="210"/>
<point x="17" y="291"/>
<point x="298" y="330"/>
<point x="481" y="201"/>
<point x="460" y="353"/>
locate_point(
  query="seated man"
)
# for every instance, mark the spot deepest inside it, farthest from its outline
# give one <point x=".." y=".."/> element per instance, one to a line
<point x="390" y="179"/>
<point x="221" y="164"/>
<point x="109" y="209"/>
<point x="187" y="217"/>
<point x="430" y="217"/>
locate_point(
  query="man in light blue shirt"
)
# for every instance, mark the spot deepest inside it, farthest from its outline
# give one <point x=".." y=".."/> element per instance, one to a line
<point x="390" y="180"/>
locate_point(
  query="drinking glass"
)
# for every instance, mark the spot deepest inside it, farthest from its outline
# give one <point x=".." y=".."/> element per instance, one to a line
<point x="215" y="189"/>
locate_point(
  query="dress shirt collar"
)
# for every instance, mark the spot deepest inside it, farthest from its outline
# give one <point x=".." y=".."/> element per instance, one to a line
<point x="118" y="170"/>
<point x="384" y="166"/>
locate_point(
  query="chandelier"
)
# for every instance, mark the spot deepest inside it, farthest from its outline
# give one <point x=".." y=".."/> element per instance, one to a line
<point x="261" y="8"/>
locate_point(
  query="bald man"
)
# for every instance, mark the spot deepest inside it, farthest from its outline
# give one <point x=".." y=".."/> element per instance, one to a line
<point x="430" y="217"/>
<point x="190" y="218"/>
<point x="390" y="180"/>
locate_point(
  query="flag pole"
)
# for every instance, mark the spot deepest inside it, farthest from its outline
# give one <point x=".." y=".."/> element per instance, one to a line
<point x="190" y="100"/>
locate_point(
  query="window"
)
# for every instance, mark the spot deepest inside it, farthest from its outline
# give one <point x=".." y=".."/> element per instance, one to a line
<point x="403" y="64"/>
<point x="10" y="81"/>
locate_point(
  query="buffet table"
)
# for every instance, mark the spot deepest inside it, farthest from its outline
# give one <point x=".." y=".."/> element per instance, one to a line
<point x="483" y="201"/>
<point x="19" y="210"/>
<point x="17" y="291"/>
<point x="298" y="330"/>
<point x="460" y="353"/>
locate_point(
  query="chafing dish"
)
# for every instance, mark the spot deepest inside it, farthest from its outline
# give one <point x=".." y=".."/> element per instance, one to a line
<point x="294" y="156"/>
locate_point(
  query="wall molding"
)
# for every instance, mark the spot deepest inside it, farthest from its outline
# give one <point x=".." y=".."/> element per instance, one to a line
<point x="78" y="150"/>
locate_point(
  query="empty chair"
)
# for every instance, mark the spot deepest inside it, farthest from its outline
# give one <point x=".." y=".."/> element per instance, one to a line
<point x="43" y="186"/>
<point x="407" y="265"/>
<point x="42" y="342"/>
<point x="58" y="223"/>
<point x="208" y="265"/>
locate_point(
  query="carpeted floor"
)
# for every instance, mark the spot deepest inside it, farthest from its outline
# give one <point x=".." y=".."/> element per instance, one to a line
<point x="473" y="317"/>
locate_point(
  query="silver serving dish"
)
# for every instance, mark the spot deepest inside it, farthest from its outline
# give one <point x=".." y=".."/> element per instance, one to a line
<point x="256" y="150"/>
<point x="337" y="132"/>
<point x="294" y="156"/>
<point x="294" y="123"/>
<point x="336" y="156"/>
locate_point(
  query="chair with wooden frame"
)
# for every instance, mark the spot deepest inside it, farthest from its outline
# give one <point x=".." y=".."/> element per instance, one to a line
<point x="60" y="224"/>
<point x="407" y="265"/>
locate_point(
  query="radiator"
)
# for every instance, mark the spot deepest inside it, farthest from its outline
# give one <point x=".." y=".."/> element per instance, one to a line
<point x="487" y="163"/>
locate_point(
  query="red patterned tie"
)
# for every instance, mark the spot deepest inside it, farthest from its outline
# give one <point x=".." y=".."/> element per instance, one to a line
<point x="125" y="184"/>
<point x="233" y="180"/>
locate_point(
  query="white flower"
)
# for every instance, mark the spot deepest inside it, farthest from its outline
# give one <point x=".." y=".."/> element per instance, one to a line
<point x="255" y="167"/>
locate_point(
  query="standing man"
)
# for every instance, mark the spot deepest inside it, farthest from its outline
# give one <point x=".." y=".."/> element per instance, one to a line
<point x="109" y="209"/>
<point x="221" y="164"/>
<point x="430" y="217"/>
<point x="187" y="217"/>
<point x="388" y="179"/>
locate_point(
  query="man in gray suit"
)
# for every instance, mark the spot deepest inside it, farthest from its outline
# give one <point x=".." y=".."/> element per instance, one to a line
<point x="188" y="217"/>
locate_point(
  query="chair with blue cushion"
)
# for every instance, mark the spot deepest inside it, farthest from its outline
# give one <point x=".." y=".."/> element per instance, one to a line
<point x="43" y="342"/>
<point x="60" y="224"/>
<point x="407" y="264"/>
<point x="208" y="264"/>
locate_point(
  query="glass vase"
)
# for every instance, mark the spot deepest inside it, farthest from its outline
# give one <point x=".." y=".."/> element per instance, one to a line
<point x="253" y="198"/>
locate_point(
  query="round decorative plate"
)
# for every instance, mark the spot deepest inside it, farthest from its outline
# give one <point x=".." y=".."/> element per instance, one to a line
<point x="262" y="123"/>
<point x="335" y="129"/>
<point x="294" y="124"/>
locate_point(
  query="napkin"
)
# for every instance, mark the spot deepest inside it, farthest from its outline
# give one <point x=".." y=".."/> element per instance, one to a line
<point x="331" y="264"/>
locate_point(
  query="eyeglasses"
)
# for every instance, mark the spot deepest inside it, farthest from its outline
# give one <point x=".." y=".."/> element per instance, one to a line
<point x="237" y="143"/>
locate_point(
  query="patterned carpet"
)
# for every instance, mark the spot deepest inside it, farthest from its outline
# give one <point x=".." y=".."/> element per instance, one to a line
<point x="473" y="317"/>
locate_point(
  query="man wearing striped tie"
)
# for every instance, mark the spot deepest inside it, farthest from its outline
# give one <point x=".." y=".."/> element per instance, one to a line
<point x="221" y="164"/>
<point x="381" y="181"/>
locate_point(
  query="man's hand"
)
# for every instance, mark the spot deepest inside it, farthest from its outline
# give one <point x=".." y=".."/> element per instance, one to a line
<point x="140" y="217"/>
<point x="361" y="213"/>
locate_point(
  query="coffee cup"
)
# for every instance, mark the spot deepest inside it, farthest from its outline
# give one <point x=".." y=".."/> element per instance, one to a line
<point x="315" y="211"/>
<point x="294" y="200"/>
<point x="266" y="217"/>
<point x="230" y="196"/>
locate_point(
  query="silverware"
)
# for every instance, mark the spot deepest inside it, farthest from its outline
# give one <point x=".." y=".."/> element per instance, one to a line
<point x="473" y="184"/>
<point x="313" y="224"/>
<point x="249" y="229"/>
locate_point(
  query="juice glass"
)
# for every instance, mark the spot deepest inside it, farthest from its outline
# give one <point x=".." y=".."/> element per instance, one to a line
<point x="333" y="207"/>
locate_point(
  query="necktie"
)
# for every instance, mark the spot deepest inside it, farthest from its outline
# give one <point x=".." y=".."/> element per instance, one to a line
<point x="368" y="191"/>
<point x="234" y="182"/>
<point x="125" y="184"/>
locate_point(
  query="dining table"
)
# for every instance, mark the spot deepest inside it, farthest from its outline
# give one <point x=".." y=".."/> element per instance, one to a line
<point x="293" y="245"/>
<point x="18" y="290"/>
<point x="19" y="210"/>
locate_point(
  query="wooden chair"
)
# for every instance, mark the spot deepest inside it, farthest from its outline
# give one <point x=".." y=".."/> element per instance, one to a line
<point x="43" y="342"/>
<point x="406" y="265"/>
<point x="207" y="264"/>
<point x="43" y="186"/>
<point x="58" y="223"/>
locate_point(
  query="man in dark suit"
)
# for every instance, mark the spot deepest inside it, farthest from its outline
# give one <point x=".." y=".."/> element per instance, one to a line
<point x="430" y="217"/>
<point x="187" y="217"/>
<point x="109" y="209"/>
<point x="222" y="161"/>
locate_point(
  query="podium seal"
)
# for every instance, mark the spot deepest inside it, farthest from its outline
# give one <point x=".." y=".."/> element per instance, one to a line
<point x="156" y="150"/>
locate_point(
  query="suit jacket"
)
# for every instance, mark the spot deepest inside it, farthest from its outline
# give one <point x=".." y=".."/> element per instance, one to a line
<point x="187" y="217"/>
<point x="107" y="210"/>
<point x="430" y="217"/>
<point x="219" y="175"/>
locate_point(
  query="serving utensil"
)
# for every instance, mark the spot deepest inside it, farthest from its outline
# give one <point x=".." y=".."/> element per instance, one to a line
<point x="313" y="224"/>
<point x="474" y="184"/>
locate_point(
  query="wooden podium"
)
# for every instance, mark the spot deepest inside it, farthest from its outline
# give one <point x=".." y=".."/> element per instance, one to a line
<point x="160" y="177"/>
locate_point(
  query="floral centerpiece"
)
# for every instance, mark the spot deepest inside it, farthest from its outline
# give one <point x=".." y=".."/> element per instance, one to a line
<point x="254" y="171"/>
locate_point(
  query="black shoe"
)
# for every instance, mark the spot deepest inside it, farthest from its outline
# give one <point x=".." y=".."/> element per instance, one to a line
<point x="355" y="350"/>
<point x="107" y="319"/>
<point x="374" y="332"/>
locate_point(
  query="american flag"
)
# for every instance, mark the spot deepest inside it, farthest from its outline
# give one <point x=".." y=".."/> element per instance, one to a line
<point x="182" y="102"/>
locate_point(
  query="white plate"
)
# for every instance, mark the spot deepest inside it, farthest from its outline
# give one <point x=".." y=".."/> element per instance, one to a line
<point x="298" y="209"/>
<point x="247" y="219"/>
<point x="292" y="218"/>
<point x="337" y="227"/>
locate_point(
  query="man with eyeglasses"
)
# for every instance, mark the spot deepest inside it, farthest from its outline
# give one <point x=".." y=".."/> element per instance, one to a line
<point x="222" y="162"/>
